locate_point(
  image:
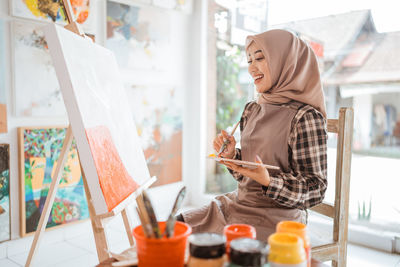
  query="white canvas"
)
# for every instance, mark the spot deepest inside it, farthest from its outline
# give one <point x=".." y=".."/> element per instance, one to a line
<point x="94" y="96"/>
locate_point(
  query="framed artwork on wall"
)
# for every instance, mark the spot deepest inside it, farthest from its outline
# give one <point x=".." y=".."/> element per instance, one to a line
<point x="158" y="115"/>
<point x="39" y="149"/>
<point x="49" y="10"/>
<point x="140" y="36"/>
<point x="4" y="192"/>
<point x="3" y="95"/>
<point x="36" y="89"/>
<point x="2" y="63"/>
<point x="179" y="5"/>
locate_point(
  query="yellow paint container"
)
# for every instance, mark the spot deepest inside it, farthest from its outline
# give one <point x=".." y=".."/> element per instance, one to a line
<point x="299" y="229"/>
<point x="286" y="249"/>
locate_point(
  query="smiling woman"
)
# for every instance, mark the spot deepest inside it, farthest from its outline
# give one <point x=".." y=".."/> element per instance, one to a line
<point x="258" y="67"/>
<point x="355" y="43"/>
<point x="284" y="127"/>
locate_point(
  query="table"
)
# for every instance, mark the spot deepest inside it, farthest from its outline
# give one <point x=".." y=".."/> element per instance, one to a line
<point x="107" y="263"/>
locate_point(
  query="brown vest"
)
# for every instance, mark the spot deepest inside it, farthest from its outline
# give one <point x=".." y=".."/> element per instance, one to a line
<point x="265" y="134"/>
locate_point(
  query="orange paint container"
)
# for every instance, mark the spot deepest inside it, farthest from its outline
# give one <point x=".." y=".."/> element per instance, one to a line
<point x="300" y="230"/>
<point x="163" y="251"/>
<point x="234" y="231"/>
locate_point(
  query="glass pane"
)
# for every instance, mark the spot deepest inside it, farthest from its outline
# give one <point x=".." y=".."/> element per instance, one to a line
<point x="232" y="20"/>
<point x="357" y="46"/>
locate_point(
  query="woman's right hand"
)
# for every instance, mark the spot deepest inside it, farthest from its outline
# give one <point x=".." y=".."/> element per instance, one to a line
<point x="229" y="151"/>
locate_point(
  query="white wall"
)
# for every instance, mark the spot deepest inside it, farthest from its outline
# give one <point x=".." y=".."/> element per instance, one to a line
<point x="185" y="30"/>
<point x="362" y="106"/>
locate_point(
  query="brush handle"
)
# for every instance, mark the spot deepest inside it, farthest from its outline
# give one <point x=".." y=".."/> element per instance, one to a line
<point x="152" y="215"/>
<point x="145" y="226"/>
<point x="242" y="162"/>
<point x="226" y="142"/>
<point x="169" y="228"/>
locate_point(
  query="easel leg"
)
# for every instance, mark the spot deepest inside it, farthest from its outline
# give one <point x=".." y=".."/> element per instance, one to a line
<point x="101" y="242"/>
<point x="99" y="234"/>
<point x="128" y="228"/>
<point x="50" y="196"/>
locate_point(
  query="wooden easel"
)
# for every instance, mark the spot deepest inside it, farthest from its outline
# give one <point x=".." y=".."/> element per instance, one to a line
<point x="98" y="221"/>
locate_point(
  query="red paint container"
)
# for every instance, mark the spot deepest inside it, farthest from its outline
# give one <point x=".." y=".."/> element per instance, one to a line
<point x="162" y="251"/>
<point x="233" y="231"/>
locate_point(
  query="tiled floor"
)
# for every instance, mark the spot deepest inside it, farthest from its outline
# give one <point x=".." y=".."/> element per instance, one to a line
<point x="74" y="246"/>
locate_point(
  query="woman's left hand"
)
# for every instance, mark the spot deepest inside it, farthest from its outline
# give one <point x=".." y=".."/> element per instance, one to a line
<point x="259" y="174"/>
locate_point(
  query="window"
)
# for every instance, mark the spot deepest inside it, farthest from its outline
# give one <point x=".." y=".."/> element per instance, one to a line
<point x="232" y="87"/>
<point x="356" y="44"/>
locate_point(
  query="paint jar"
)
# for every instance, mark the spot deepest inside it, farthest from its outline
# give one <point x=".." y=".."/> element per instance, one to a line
<point x="234" y="231"/>
<point x="206" y="250"/>
<point x="248" y="252"/>
<point x="162" y="251"/>
<point x="299" y="229"/>
<point x="286" y="249"/>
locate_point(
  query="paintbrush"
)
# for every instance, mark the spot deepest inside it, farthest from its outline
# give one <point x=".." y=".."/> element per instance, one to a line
<point x="169" y="228"/>
<point x="146" y="227"/>
<point x="246" y="164"/>
<point x="152" y="215"/>
<point x="144" y="217"/>
<point x="226" y="142"/>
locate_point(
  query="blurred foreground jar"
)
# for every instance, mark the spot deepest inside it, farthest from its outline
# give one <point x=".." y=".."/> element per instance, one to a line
<point x="247" y="252"/>
<point x="286" y="250"/>
<point x="234" y="231"/>
<point x="206" y="250"/>
<point x="299" y="229"/>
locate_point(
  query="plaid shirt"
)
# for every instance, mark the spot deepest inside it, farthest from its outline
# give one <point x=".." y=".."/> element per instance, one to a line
<point x="306" y="184"/>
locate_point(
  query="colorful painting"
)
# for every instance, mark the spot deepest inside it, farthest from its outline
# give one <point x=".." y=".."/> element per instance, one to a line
<point x="139" y="37"/>
<point x="36" y="88"/>
<point x="100" y="117"/>
<point x="158" y="115"/>
<point x="50" y="10"/>
<point x="3" y="95"/>
<point x="2" y="63"/>
<point x="4" y="192"/>
<point x="39" y="150"/>
<point x="181" y="5"/>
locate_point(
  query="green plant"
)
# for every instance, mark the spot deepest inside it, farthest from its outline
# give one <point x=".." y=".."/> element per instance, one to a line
<point x="230" y="102"/>
<point x="230" y="98"/>
<point x="362" y="213"/>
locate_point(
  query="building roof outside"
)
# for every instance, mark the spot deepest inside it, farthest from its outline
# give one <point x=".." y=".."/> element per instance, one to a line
<point x="336" y="32"/>
<point x="361" y="54"/>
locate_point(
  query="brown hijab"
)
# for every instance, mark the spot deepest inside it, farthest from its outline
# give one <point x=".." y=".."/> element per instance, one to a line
<point x="293" y="69"/>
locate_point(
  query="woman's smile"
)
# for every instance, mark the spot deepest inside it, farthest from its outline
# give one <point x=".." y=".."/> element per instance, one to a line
<point x="258" y="78"/>
<point x="258" y="68"/>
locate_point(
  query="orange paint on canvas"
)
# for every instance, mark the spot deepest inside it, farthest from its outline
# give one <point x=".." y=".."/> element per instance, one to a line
<point x="115" y="181"/>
